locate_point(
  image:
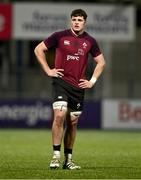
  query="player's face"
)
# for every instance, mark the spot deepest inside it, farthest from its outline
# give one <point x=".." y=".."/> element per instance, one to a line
<point x="78" y="23"/>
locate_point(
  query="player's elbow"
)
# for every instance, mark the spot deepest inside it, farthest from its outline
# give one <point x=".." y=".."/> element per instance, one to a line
<point x="40" y="48"/>
<point x="100" y="61"/>
<point x="103" y="64"/>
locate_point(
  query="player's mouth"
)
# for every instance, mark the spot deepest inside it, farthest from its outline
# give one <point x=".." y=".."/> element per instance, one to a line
<point x="76" y="27"/>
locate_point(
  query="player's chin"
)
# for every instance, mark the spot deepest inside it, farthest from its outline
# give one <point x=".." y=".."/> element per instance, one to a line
<point x="76" y="30"/>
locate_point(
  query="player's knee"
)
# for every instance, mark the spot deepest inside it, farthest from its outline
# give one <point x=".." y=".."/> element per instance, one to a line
<point x="59" y="116"/>
<point x="60" y="108"/>
<point x="74" y="121"/>
<point x="59" y="120"/>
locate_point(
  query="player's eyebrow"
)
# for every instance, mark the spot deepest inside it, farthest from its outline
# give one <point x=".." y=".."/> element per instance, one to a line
<point x="79" y="19"/>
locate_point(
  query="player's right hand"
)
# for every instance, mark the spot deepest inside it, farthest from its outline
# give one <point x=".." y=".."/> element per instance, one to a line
<point x="56" y="73"/>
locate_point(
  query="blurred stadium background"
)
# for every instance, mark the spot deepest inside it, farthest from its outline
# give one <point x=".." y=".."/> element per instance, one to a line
<point x="109" y="147"/>
<point x="25" y="91"/>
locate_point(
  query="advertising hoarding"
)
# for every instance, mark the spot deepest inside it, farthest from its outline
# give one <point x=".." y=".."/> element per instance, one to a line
<point x="121" y="114"/>
<point x="105" y="22"/>
<point x="5" y="21"/>
<point x="29" y="113"/>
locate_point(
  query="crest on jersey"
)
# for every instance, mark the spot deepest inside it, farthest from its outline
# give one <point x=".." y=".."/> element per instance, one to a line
<point x="80" y="52"/>
<point x="66" y="42"/>
<point x="84" y="45"/>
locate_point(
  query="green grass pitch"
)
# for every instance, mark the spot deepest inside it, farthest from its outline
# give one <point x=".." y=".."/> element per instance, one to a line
<point x="25" y="154"/>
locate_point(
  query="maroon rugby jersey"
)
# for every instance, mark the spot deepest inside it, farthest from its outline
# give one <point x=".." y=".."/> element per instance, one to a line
<point x="72" y="53"/>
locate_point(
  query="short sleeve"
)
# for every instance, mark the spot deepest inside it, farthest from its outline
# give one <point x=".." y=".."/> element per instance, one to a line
<point x="51" y="41"/>
<point x="95" y="50"/>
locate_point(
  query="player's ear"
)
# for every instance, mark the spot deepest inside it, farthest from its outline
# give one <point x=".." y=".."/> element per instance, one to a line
<point x="84" y="22"/>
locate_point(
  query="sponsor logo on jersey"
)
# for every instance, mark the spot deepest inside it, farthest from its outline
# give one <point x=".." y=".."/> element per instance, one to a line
<point x="66" y="42"/>
<point x="70" y="57"/>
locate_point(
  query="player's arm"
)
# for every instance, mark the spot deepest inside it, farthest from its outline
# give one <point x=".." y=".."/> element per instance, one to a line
<point x="39" y="51"/>
<point x="96" y="73"/>
<point x="98" y="69"/>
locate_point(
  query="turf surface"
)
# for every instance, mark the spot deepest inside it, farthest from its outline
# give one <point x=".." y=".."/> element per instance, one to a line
<point x="25" y="154"/>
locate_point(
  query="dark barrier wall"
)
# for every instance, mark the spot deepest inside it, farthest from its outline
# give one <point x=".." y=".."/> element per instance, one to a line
<point x="91" y="116"/>
<point x="38" y="114"/>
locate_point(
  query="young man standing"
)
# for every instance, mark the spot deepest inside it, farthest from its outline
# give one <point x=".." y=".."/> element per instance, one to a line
<point x="69" y="81"/>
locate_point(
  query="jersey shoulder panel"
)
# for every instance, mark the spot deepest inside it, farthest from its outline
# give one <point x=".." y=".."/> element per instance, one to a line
<point x="53" y="39"/>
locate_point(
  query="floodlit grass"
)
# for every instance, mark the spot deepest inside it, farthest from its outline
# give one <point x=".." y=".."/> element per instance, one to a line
<point x="25" y="154"/>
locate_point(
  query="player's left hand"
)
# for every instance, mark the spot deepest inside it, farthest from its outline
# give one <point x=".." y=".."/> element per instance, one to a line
<point x="85" y="84"/>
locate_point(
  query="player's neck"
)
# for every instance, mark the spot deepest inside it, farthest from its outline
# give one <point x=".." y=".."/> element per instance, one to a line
<point x="77" y="33"/>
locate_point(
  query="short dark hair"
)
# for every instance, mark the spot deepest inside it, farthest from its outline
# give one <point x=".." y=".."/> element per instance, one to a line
<point x="79" y="12"/>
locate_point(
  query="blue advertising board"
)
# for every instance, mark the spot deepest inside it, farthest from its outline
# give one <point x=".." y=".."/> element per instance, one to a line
<point x="29" y="113"/>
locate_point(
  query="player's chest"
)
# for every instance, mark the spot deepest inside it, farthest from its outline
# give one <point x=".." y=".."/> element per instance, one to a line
<point x="74" y="45"/>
